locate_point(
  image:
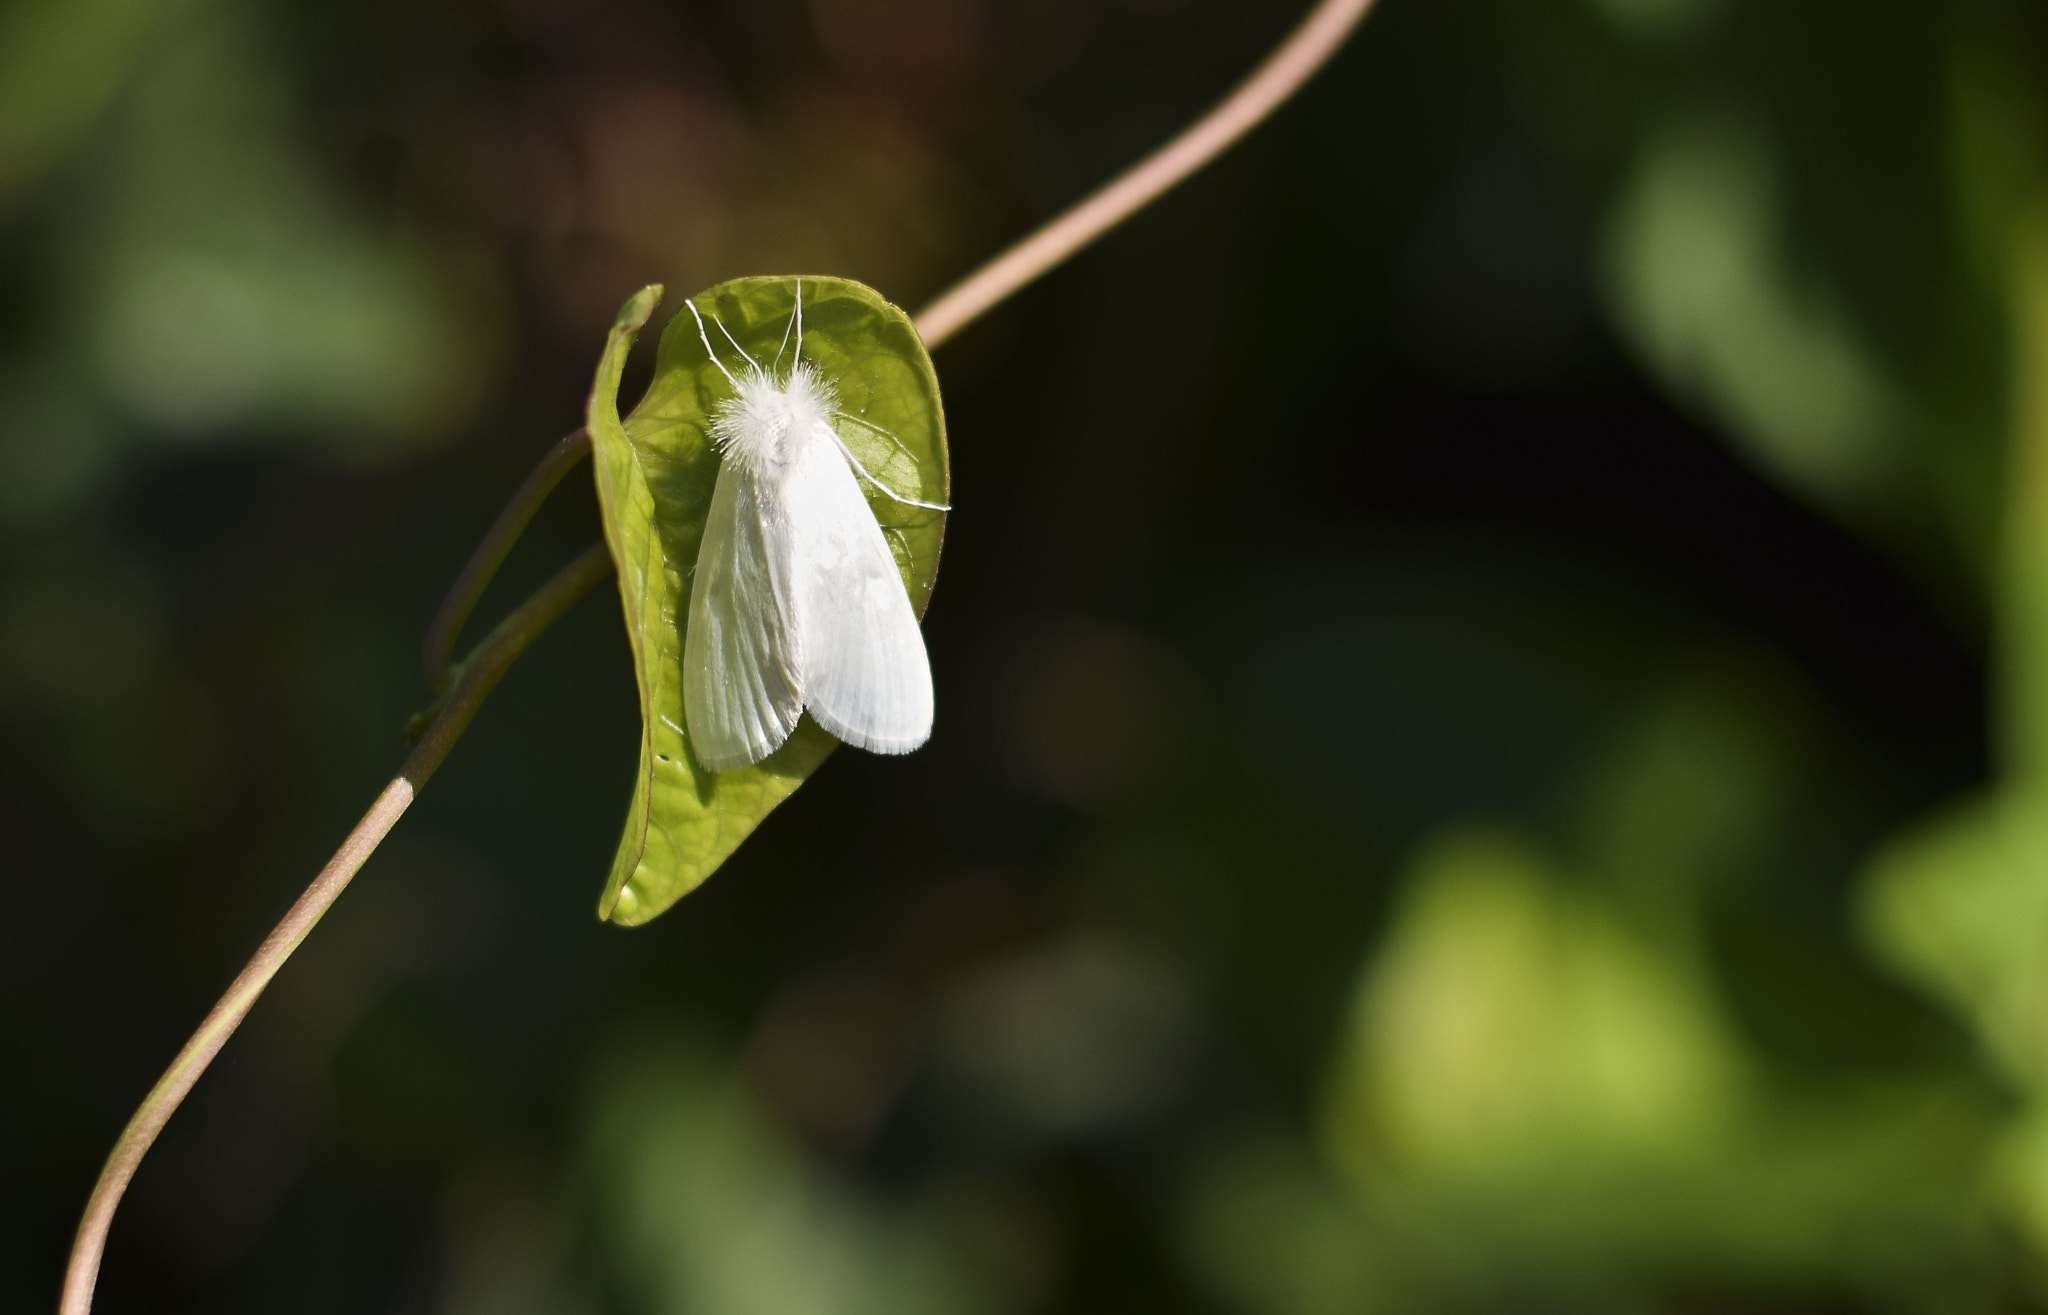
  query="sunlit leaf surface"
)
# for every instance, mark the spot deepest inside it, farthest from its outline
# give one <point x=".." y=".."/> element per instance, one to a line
<point x="655" y="473"/>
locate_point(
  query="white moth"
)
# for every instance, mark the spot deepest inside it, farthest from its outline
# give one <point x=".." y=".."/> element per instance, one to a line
<point x="796" y="601"/>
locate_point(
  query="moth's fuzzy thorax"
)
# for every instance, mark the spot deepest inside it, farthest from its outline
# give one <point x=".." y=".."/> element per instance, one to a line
<point x="761" y="424"/>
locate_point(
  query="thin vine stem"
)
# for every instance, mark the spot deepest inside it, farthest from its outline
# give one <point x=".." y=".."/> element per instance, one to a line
<point x="464" y="686"/>
<point x="473" y="680"/>
<point x="1282" y="74"/>
<point x="490" y="554"/>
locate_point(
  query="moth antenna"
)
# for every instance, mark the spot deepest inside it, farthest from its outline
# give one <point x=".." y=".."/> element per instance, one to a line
<point x="874" y="428"/>
<point x="887" y="492"/>
<point x="799" y="319"/>
<point x="706" y="340"/>
<point x="797" y="313"/>
<point x="735" y="342"/>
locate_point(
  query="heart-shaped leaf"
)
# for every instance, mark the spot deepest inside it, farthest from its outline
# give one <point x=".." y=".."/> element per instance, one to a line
<point x="655" y="473"/>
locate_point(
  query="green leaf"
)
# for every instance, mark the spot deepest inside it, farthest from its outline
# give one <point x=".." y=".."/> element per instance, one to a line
<point x="654" y="478"/>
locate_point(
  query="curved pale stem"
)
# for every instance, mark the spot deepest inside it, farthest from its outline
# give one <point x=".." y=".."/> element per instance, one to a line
<point x="1279" y="77"/>
<point x="473" y="681"/>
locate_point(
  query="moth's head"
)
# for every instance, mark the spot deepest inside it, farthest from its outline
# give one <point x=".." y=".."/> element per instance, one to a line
<point x="764" y="418"/>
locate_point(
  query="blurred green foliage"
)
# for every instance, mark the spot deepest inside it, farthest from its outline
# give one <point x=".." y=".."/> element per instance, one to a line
<point x="1493" y="665"/>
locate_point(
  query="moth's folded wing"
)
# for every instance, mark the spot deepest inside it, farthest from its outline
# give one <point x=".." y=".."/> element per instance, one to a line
<point x="740" y="692"/>
<point x="864" y="673"/>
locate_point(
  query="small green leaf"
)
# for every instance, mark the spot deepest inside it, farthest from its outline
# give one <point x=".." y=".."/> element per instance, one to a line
<point x="654" y="478"/>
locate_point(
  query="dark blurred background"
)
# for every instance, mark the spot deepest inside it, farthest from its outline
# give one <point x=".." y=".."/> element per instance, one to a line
<point x="1492" y="664"/>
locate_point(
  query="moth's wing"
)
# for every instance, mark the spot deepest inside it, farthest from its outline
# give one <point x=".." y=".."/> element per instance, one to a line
<point x="741" y="694"/>
<point x="864" y="674"/>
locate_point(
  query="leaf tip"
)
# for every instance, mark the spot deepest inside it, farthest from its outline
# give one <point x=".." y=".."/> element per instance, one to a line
<point x="633" y="315"/>
<point x="624" y="908"/>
